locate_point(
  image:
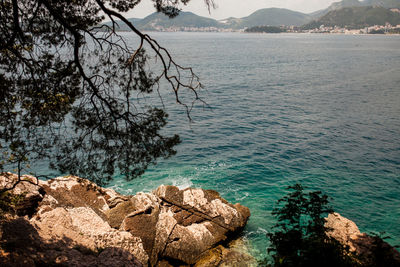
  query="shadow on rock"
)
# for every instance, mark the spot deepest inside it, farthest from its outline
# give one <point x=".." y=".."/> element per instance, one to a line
<point x="21" y="245"/>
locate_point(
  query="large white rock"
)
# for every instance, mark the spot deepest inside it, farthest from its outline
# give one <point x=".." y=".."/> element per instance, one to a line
<point x="77" y="222"/>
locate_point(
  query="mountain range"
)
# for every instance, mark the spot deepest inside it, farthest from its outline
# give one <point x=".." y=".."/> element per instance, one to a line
<point x="184" y="19"/>
<point x="268" y="16"/>
<point x="356" y="18"/>
<point x="334" y="14"/>
<point x="356" y="3"/>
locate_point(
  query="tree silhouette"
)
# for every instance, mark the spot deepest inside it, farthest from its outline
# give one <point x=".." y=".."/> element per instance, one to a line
<point x="68" y="85"/>
<point x="300" y="237"/>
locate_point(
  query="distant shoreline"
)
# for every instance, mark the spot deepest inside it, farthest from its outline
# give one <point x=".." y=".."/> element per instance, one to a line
<point x="266" y="33"/>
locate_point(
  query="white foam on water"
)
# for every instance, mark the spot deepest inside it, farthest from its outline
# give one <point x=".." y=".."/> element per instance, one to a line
<point x="246" y="194"/>
<point x="261" y="230"/>
<point x="182" y="182"/>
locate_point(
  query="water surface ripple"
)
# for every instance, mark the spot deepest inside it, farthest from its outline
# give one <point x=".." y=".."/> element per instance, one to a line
<point x="323" y="110"/>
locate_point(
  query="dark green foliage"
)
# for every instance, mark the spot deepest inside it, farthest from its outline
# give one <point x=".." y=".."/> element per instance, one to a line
<point x="356" y="18"/>
<point x="68" y="88"/>
<point x="382" y="254"/>
<point x="266" y="29"/>
<point x="394" y="31"/>
<point x="9" y="202"/>
<point x="300" y="237"/>
<point x="377" y="32"/>
<point x="383" y="3"/>
<point x="356" y="3"/>
<point x="274" y="17"/>
<point x="185" y="19"/>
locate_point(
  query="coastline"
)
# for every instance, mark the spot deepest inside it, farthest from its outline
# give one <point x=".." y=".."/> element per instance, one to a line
<point x="70" y="220"/>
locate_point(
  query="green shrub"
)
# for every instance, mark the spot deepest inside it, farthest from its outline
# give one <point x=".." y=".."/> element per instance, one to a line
<point x="299" y="237"/>
<point x="9" y="202"/>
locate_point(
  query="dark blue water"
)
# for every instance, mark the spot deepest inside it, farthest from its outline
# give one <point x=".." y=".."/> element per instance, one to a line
<point x="323" y="110"/>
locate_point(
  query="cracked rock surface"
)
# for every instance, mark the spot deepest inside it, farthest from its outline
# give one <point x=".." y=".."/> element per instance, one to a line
<point x="73" y="222"/>
<point x="366" y="247"/>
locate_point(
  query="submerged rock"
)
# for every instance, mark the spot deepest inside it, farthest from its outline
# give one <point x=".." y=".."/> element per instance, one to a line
<point x="75" y="222"/>
<point x="236" y="254"/>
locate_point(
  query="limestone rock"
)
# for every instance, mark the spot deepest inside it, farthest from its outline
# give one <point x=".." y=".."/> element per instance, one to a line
<point x="187" y="243"/>
<point x="164" y="227"/>
<point x="342" y="229"/>
<point x="72" y="191"/>
<point x="201" y="219"/>
<point x="370" y="250"/>
<point x="75" y="222"/>
<point x="206" y="204"/>
<point x="85" y="230"/>
<point x="117" y="214"/>
<point x="28" y="186"/>
<point x="117" y="257"/>
<point x="142" y="220"/>
<point x="7" y="180"/>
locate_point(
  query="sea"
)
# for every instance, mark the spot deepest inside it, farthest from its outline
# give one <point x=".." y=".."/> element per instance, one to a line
<point x="322" y="110"/>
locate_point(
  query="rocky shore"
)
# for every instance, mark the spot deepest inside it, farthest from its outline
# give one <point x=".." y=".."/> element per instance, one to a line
<point x="73" y="222"/>
<point x="70" y="221"/>
<point x="370" y="250"/>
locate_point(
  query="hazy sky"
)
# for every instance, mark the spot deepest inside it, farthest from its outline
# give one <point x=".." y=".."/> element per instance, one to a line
<point x="236" y="8"/>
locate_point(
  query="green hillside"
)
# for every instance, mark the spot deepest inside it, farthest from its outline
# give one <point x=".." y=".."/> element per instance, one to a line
<point x="155" y="21"/>
<point x="271" y="17"/>
<point x="262" y="17"/>
<point x="355" y="3"/>
<point x="335" y="6"/>
<point x="356" y="18"/>
<point x="347" y="13"/>
<point x="185" y="19"/>
<point x="383" y="3"/>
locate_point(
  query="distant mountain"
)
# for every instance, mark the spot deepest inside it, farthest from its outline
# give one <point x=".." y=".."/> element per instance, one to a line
<point x="262" y="17"/>
<point x="352" y="13"/>
<point x="356" y="18"/>
<point x="232" y="22"/>
<point x="268" y="16"/>
<point x="124" y="27"/>
<point x="184" y="19"/>
<point x="355" y="3"/>
<point x="382" y="3"/>
<point x="157" y="21"/>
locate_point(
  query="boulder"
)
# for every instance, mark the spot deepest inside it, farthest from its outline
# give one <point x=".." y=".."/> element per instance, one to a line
<point x="342" y="229"/>
<point x="206" y="204"/>
<point x="81" y="228"/>
<point x="371" y="250"/>
<point x="194" y="221"/>
<point x="142" y="219"/>
<point x="75" y="222"/>
<point x="28" y="187"/>
<point x="72" y="191"/>
<point x="116" y="215"/>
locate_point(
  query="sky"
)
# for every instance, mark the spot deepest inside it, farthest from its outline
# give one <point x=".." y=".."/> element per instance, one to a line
<point x="236" y="8"/>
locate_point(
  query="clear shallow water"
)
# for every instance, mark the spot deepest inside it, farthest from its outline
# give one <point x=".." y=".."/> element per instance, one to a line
<point x="323" y="110"/>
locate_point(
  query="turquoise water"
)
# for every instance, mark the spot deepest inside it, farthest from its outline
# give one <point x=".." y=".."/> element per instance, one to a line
<point x="323" y="110"/>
